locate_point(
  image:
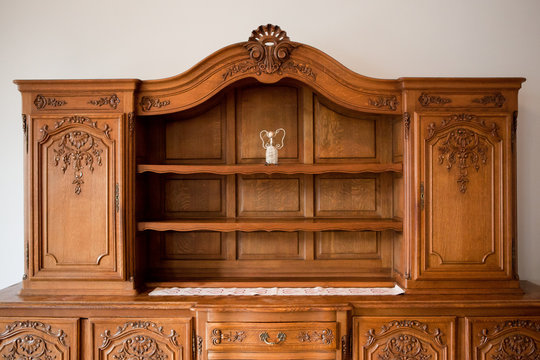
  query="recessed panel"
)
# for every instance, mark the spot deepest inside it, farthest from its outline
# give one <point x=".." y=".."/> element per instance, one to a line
<point x="274" y="195"/>
<point x="347" y="195"/>
<point x="195" y="138"/>
<point x="193" y="196"/>
<point x="347" y="245"/>
<point x="192" y="245"/>
<point x="343" y="137"/>
<point x="270" y="245"/>
<point x="267" y="108"/>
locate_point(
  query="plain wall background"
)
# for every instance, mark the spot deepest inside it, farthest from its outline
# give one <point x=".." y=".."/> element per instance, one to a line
<point x="379" y="38"/>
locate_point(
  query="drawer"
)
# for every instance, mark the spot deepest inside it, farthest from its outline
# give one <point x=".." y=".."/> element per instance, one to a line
<point x="270" y="337"/>
<point x="425" y="338"/>
<point x="503" y="338"/>
<point x="42" y="338"/>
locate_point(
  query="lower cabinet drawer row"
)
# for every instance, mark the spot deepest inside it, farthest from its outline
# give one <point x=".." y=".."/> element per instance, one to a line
<point x="377" y="338"/>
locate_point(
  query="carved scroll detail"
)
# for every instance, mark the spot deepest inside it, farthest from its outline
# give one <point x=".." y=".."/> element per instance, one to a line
<point x="497" y="99"/>
<point x="140" y="347"/>
<point x="406" y="124"/>
<point x="325" y="336"/>
<point x="399" y="324"/>
<point x="130" y="326"/>
<point x="232" y="336"/>
<point x="486" y="334"/>
<point x="112" y="101"/>
<point x="17" y="326"/>
<point x="131" y="123"/>
<point x="29" y="347"/>
<point x="391" y="102"/>
<point x="404" y="347"/>
<point x="148" y="102"/>
<point x="41" y="102"/>
<point x="517" y="347"/>
<point x="269" y="47"/>
<point x="427" y="100"/>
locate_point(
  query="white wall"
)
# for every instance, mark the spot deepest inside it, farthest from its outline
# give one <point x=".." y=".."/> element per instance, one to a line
<point x="153" y="39"/>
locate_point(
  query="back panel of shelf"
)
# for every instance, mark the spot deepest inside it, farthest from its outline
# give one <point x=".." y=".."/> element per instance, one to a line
<point x="223" y="134"/>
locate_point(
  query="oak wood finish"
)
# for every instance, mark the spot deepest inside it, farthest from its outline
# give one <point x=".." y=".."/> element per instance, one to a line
<point x="132" y="184"/>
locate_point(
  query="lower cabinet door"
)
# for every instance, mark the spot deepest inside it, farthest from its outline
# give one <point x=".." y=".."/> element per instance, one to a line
<point x="146" y="339"/>
<point x="415" y="338"/>
<point x="39" y="339"/>
<point x="503" y="338"/>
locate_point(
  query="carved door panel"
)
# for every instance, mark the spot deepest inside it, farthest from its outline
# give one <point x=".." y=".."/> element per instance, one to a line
<point x="503" y="338"/>
<point x="465" y="196"/>
<point x="76" y="190"/>
<point x="42" y="339"/>
<point x="149" y="339"/>
<point x="385" y="338"/>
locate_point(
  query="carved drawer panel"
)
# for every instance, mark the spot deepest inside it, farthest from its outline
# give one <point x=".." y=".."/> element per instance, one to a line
<point x="389" y="338"/>
<point x="271" y="337"/>
<point x="39" y="339"/>
<point x="497" y="338"/>
<point x="148" y="339"/>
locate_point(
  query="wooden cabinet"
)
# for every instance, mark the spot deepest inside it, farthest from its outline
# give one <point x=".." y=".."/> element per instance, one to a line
<point x="132" y="185"/>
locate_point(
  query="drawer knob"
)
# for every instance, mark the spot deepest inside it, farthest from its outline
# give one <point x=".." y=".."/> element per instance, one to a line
<point x="266" y="338"/>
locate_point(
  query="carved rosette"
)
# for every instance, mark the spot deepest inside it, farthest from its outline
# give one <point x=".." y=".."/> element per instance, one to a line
<point x="511" y="341"/>
<point x="41" y="102"/>
<point x="30" y="346"/>
<point x="517" y="347"/>
<point x="112" y="101"/>
<point x="463" y="146"/>
<point x="404" y="347"/>
<point x="269" y="47"/>
<point x="140" y="347"/>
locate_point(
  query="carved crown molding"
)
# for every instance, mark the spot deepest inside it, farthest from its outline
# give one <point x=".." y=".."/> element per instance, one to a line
<point x="436" y="334"/>
<point x="135" y="326"/>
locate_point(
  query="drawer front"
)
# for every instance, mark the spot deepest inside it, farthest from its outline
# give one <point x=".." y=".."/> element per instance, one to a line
<point x="419" y="338"/>
<point x="43" y="338"/>
<point x="125" y="338"/>
<point x="271" y="336"/>
<point x="503" y="338"/>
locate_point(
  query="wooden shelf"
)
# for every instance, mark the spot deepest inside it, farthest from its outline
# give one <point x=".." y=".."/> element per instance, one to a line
<point x="247" y="169"/>
<point x="271" y="224"/>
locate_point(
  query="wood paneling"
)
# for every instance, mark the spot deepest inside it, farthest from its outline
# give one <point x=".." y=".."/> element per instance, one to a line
<point x="270" y="195"/>
<point x="132" y="338"/>
<point x="184" y="137"/>
<point x="77" y="166"/>
<point x="193" y="245"/>
<point x="347" y="195"/>
<point x="502" y="338"/>
<point x="270" y="245"/>
<point x="348" y="245"/>
<point x="464" y="183"/>
<point x="191" y="195"/>
<point x="40" y="338"/>
<point x="267" y="108"/>
<point x="404" y="338"/>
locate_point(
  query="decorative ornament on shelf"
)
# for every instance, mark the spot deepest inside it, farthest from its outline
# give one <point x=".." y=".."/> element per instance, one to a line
<point x="267" y="138"/>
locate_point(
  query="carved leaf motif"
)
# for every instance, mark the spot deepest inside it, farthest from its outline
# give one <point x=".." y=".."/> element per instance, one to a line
<point x="398" y="324"/>
<point x="497" y="99"/>
<point x="29" y="347"/>
<point x="465" y="147"/>
<point x="232" y="336"/>
<point x="80" y="149"/>
<point x="517" y="347"/>
<point x="325" y="336"/>
<point x="112" y="101"/>
<point x="404" y="347"/>
<point x="391" y="102"/>
<point x="427" y="100"/>
<point x="150" y="326"/>
<point x="16" y="326"/>
<point x="140" y="347"/>
<point x="148" y="102"/>
<point x="41" y="102"/>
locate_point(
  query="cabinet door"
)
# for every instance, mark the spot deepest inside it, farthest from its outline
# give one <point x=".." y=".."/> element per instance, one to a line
<point x="497" y="338"/>
<point x="39" y="339"/>
<point x="148" y="339"/>
<point x="420" y="338"/>
<point x="465" y="196"/>
<point x="75" y="229"/>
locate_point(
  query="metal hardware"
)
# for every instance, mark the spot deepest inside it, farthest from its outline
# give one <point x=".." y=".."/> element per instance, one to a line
<point x="421" y="196"/>
<point x="25" y="131"/>
<point x="117" y="197"/>
<point x="265" y="338"/>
